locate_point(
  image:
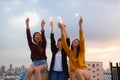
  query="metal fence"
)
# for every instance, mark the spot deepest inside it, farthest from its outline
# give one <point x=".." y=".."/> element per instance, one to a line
<point x="115" y="71"/>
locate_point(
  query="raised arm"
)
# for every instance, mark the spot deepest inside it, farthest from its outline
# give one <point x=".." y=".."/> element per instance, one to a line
<point x="63" y="36"/>
<point x="43" y="33"/>
<point x="61" y="27"/>
<point x="81" y="36"/>
<point x="42" y="25"/>
<point x="29" y="38"/>
<point x="66" y="35"/>
<point x="65" y="31"/>
<point x="52" y="27"/>
<point x="53" y="43"/>
<point x="27" y="23"/>
<point x="80" y="23"/>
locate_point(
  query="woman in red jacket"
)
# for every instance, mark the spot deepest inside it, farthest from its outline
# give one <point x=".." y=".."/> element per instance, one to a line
<point x="38" y="51"/>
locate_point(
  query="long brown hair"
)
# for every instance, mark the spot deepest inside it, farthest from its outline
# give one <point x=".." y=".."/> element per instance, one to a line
<point x="77" y="49"/>
<point x="40" y="43"/>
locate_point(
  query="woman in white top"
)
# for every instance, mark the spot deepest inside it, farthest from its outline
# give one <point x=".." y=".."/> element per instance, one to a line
<point x="58" y="66"/>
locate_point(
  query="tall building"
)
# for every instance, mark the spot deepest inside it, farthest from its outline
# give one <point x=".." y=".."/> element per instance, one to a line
<point x="2" y="69"/>
<point x="10" y="67"/>
<point x="96" y="70"/>
<point x="23" y="69"/>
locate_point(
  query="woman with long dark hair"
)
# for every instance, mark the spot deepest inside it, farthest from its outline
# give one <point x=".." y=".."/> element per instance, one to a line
<point x="78" y="67"/>
<point x="38" y="51"/>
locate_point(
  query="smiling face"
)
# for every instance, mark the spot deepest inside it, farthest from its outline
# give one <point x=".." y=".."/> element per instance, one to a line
<point x="37" y="37"/>
<point x="75" y="43"/>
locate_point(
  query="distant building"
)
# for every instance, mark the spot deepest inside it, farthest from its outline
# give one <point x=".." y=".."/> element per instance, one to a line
<point x="10" y="67"/>
<point x="96" y="70"/>
<point x="2" y="69"/>
<point x="12" y="73"/>
<point x="107" y="74"/>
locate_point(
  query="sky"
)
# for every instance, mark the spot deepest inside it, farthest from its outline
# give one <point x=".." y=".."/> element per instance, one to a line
<point x="101" y="26"/>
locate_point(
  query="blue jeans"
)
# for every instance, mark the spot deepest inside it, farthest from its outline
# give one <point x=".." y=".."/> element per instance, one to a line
<point x="57" y="75"/>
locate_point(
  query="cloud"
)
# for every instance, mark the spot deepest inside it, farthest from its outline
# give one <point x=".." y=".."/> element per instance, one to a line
<point x="20" y="20"/>
<point x="6" y="9"/>
<point x="7" y="6"/>
<point x="103" y="55"/>
<point x="110" y="1"/>
<point x="103" y="50"/>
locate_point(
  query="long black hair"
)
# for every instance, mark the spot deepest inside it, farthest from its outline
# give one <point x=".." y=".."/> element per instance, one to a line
<point x="40" y="43"/>
<point x="78" y="48"/>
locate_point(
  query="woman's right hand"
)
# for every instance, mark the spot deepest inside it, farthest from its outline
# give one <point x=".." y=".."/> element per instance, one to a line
<point x="64" y="27"/>
<point x="51" y="24"/>
<point x="27" y="22"/>
<point x="80" y="21"/>
<point x="60" y="25"/>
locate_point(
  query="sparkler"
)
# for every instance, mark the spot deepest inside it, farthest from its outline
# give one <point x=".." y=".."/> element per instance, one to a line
<point x="51" y="18"/>
<point x="77" y="14"/>
<point x="59" y="19"/>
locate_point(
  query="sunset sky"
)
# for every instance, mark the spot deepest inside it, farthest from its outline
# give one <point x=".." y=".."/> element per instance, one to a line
<point x="101" y="25"/>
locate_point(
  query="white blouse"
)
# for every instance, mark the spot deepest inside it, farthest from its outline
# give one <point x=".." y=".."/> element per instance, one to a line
<point x="58" y="62"/>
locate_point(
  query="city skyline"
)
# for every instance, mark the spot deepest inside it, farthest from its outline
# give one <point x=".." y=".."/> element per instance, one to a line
<point x="101" y="25"/>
